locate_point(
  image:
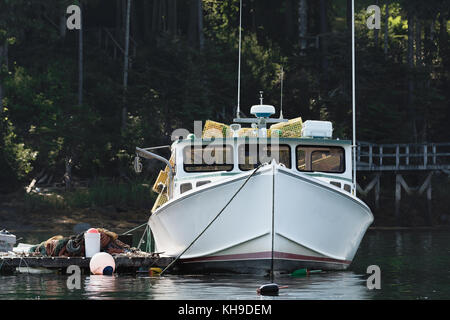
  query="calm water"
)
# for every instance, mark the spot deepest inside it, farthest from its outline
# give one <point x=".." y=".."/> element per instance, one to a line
<point x="414" y="265"/>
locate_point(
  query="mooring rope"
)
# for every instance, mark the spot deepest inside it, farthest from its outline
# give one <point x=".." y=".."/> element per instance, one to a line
<point x="142" y="238"/>
<point x="215" y="218"/>
<point x="134" y="229"/>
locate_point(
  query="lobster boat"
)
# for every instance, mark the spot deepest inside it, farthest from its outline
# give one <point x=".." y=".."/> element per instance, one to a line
<point x="275" y="196"/>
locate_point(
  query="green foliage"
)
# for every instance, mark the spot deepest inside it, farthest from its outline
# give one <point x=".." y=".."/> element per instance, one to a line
<point x="15" y="159"/>
<point x="102" y="193"/>
<point x="173" y="82"/>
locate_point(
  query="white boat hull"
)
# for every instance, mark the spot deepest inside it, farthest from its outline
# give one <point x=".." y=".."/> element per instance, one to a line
<point x="289" y="218"/>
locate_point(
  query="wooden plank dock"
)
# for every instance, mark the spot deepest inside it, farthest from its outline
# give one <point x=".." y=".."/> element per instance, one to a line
<point x="124" y="263"/>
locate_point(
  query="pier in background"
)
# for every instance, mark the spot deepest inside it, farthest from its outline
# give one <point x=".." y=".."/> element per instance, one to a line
<point x="401" y="160"/>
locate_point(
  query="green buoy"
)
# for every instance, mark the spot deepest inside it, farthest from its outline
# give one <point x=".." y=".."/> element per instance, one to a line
<point x="304" y="272"/>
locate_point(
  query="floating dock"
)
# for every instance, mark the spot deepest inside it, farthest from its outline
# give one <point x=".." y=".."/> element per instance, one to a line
<point x="125" y="263"/>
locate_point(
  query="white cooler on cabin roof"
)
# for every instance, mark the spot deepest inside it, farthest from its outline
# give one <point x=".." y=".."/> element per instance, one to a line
<point x="7" y="241"/>
<point x="315" y="128"/>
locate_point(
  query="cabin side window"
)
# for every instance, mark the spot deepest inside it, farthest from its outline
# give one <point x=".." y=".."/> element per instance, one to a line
<point x="202" y="183"/>
<point x="252" y="155"/>
<point x="185" y="187"/>
<point x="320" y="159"/>
<point x="208" y="158"/>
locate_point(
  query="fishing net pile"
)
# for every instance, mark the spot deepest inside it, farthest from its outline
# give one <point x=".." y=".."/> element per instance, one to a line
<point x="73" y="246"/>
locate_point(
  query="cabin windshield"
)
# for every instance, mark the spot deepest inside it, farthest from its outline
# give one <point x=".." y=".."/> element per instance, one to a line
<point x="208" y="158"/>
<point x="322" y="159"/>
<point x="252" y="155"/>
<point x="220" y="157"/>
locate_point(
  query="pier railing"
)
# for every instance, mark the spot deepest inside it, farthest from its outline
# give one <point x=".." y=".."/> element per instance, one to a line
<point x="403" y="157"/>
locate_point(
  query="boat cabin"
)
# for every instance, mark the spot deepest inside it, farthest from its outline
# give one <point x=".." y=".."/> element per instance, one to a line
<point x="202" y="161"/>
<point x="222" y="151"/>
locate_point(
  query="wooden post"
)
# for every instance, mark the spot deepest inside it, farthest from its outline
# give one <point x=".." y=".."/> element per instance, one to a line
<point x="381" y="156"/>
<point x="425" y="156"/>
<point x="427" y="186"/>
<point x="397" y="156"/>
<point x="434" y="154"/>
<point x="398" y="196"/>
<point x="429" y="207"/>
<point x="377" y="192"/>
<point x="407" y="155"/>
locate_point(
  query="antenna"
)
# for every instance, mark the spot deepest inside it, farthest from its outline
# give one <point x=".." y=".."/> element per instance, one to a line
<point x="353" y="97"/>
<point x="238" y="110"/>
<point x="281" y="94"/>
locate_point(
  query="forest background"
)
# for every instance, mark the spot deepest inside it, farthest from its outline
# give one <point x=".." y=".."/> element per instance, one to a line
<point x="70" y="117"/>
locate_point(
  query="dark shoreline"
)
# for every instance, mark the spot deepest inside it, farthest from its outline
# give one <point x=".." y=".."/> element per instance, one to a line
<point x="63" y="222"/>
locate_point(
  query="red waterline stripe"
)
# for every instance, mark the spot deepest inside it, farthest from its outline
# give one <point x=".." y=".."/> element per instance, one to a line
<point x="263" y="255"/>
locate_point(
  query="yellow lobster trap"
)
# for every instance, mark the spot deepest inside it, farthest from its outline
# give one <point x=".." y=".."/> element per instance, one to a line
<point x="162" y="198"/>
<point x="161" y="185"/>
<point x="290" y="129"/>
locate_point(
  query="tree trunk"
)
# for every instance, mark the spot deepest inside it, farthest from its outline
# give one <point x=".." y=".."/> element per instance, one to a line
<point x="155" y="18"/>
<point x="172" y="15"/>
<point x="193" y="23"/>
<point x="135" y="31"/>
<point x="80" y="58"/>
<point x="5" y="55"/>
<point x="68" y="173"/>
<point x="62" y="26"/>
<point x="376" y="31"/>
<point x="349" y="15"/>
<point x="323" y="34"/>
<point x="418" y="42"/>
<point x="288" y="18"/>
<point x="253" y="15"/>
<point x="1" y="98"/>
<point x="410" y="73"/>
<point x="147" y="22"/>
<point x="2" y="54"/>
<point x="201" y="39"/>
<point x="125" y="68"/>
<point x="1" y="86"/>
<point x="118" y="23"/>
<point x="163" y="15"/>
<point x="302" y="23"/>
<point x="443" y="41"/>
<point x="123" y="17"/>
<point x="410" y="40"/>
<point x="386" y="30"/>
<point x="428" y="45"/>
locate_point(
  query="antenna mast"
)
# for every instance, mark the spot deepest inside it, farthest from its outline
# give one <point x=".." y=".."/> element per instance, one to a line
<point x="238" y="110"/>
<point x="281" y="98"/>
<point x="353" y="97"/>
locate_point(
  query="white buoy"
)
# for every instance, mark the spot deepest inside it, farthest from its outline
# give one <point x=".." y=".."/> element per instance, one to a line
<point x="102" y="263"/>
